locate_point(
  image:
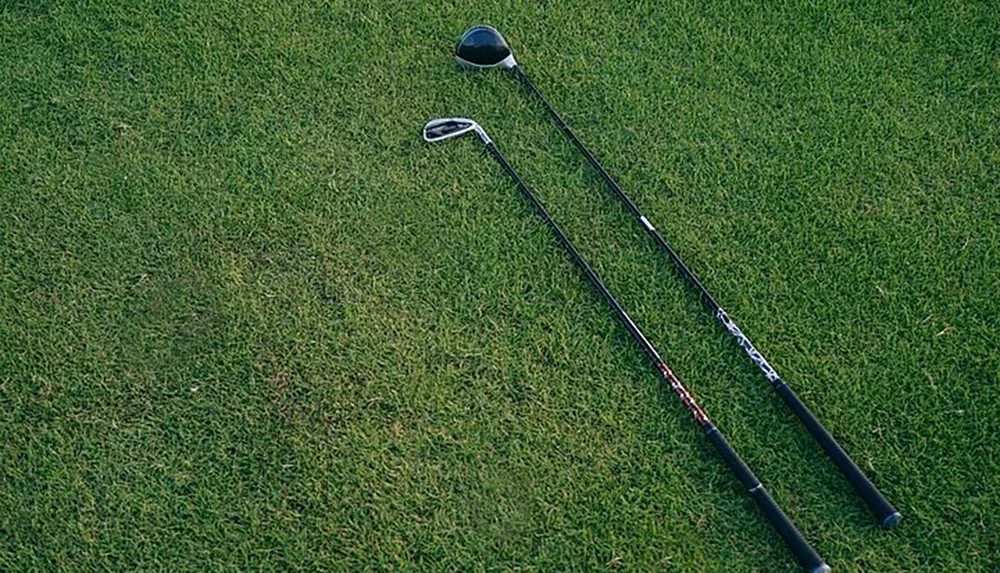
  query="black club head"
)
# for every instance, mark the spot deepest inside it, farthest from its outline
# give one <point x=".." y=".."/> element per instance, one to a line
<point x="482" y="47"/>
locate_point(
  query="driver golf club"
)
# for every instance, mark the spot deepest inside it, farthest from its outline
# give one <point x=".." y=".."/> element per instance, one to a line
<point x="442" y="129"/>
<point x="482" y="48"/>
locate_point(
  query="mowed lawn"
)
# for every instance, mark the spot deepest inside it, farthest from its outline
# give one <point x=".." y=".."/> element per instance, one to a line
<point x="249" y="320"/>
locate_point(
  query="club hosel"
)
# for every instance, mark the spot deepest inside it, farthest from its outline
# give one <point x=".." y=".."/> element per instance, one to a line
<point x="484" y="138"/>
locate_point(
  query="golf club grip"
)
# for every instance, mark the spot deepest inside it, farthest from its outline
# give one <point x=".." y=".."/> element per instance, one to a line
<point x="886" y="514"/>
<point x="804" y="553"/>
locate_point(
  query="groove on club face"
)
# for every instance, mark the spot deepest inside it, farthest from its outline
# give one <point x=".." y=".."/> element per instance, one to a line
<point x="887" y="515"/>
<point x="803" y="551"/>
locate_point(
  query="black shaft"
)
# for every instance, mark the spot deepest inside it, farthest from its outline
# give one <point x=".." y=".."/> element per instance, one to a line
<point x="637" y="334"/>
<point x="886" y="514"/>
<point x="804" y="553"/>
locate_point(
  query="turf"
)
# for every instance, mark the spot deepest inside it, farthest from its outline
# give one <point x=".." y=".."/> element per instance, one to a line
<point x="250" y="321"/>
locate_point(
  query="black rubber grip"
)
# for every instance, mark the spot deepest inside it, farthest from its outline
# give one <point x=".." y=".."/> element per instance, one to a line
<point x="886" y="514"/>
<point x="804" y="553"/>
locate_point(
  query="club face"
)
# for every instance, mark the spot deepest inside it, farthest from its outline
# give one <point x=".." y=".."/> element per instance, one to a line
<point x="447" y="128"/>
<point x="482" y="48"/>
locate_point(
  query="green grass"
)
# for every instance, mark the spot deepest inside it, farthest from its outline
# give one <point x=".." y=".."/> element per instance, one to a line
<point x="249" y="320"/>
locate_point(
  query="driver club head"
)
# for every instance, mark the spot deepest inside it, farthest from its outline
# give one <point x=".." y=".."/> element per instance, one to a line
<point x="450" y="127"/>
<point x="482" y="48"/>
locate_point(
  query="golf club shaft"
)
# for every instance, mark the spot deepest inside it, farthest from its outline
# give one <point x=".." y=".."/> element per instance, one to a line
<point x="884" y="511"/>
<point x="803" y="552"/>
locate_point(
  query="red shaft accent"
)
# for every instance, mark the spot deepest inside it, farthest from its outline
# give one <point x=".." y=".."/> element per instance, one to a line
<point x="682" y="393"/>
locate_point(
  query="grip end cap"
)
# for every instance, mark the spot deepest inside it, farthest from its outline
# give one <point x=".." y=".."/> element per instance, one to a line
<point x="892" y="521"/>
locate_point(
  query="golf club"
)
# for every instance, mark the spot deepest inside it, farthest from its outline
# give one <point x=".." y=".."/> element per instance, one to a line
<point x="442" y="129"/>
<point x="481" y="48"/>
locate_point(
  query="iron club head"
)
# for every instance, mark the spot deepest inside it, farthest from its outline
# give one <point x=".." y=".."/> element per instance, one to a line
<point x="482" y="47"/>
<point x="449" y="127"/>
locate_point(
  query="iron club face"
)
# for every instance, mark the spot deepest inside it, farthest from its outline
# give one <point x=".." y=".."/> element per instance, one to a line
<point x="441" y="129"/>
<point x="450" y="127"/>
<point x="482" y="47"/>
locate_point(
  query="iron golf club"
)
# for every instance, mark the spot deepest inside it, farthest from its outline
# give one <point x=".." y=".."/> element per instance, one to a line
<point x="481" y="48"/>
<point x="442" y="129"/>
